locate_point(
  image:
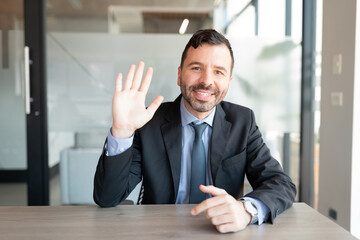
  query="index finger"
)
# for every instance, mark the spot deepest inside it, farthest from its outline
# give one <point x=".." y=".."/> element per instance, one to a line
<point x="210" y="189"/>
<point x="211" y="202"/>
<point x="118" y="82"/>
<point x="206" y="204"/>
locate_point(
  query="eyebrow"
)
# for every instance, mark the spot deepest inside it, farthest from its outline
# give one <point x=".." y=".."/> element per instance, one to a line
<point x="201" y="64"/>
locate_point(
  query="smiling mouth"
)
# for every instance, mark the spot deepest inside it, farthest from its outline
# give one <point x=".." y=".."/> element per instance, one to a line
<point x="204" y="94"/>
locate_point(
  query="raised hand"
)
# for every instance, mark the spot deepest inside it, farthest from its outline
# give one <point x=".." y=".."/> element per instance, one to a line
<point x="128" y="106"/>
<point x="224" y="211"/>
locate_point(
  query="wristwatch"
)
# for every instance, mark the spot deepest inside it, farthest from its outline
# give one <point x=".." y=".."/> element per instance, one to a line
<point x="251" y="209"/>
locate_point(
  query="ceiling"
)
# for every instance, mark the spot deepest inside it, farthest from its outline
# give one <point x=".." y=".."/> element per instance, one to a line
<point x="100" y="7"/>
<point x="152" y="15"/>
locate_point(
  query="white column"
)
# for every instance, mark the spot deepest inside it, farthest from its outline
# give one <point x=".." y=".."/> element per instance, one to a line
<point x="355" y="173"/>
<point x="339" y="181"/>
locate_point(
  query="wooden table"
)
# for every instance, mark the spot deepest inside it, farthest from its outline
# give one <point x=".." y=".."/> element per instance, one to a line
<point x="154" y="222"/>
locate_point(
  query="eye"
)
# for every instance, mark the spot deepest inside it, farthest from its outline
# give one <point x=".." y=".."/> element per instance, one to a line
<point x="217" y="72"/>
<point x="196" y="68"/>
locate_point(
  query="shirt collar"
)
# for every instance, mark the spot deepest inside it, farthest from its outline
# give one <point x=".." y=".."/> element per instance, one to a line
<point x="187" y="117"/>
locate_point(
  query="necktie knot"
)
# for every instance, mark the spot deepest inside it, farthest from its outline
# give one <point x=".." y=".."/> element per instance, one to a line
<point x="199" y="129"/>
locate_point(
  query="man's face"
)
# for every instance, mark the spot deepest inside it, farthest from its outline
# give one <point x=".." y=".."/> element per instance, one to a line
<point x="204" y="78"/>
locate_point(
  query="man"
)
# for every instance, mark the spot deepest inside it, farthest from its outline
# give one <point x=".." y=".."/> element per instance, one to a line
<point x="161" y="144"/>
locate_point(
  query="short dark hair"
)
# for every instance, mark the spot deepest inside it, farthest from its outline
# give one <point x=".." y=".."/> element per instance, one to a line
<point x="208" y="36"/>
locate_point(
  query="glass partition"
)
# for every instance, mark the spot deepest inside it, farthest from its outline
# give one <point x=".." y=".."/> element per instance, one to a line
<point x="85" y="57"/>
<point x="267" y="78"/>
<point x="12" y="103"/>
<point x="82" y="73"/>
<point x="13" y="159"/>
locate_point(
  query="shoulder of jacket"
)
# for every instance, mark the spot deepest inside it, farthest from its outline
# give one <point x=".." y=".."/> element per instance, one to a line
<point x="229" y="108"/>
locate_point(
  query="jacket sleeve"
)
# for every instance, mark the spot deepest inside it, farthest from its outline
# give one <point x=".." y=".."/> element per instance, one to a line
<point x="269" y="182"/>
<point x="116" y="176"/>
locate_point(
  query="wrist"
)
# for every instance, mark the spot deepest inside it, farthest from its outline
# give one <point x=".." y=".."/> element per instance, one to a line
<point x="247" y="214"/>
<point x="121" y="133"/>
<point x="251" y="210"/>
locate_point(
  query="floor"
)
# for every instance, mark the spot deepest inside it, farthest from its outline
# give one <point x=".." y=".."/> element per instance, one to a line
<point x="15" y="194"/>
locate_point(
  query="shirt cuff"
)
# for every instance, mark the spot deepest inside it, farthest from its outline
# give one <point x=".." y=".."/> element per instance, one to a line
<point x="263" y="210"/>
<point x="116" y="146"/>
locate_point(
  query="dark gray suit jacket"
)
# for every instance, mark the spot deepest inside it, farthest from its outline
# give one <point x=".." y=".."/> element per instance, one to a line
<point x="237" y="148"/>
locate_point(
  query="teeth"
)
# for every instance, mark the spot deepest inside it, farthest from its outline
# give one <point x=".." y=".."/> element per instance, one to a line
<point x="204" y="94"/>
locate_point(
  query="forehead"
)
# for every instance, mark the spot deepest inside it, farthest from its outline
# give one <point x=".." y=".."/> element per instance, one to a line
<point x="209" y="54"/>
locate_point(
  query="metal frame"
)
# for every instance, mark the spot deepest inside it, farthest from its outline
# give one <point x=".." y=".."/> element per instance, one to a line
<point x="288" y="16"/>
<point x="255" y="3"/>
<point x="286" y="157"/>
<point x="306" y="189"/>
<point x="36" y="119"/>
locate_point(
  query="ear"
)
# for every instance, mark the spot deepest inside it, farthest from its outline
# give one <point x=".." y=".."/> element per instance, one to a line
<point x="179" y="76"/>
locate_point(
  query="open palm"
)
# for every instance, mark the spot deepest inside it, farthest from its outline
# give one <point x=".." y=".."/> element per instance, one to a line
<point x="128" y="106"/>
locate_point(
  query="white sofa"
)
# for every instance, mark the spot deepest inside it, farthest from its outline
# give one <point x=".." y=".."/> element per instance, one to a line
<point x="77" y="169"/>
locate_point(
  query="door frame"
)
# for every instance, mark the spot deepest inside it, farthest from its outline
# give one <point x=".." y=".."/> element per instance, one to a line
<point x="36" y="120"/>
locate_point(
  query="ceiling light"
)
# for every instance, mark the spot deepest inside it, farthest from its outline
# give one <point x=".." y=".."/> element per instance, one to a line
<point x="184" y="26"/>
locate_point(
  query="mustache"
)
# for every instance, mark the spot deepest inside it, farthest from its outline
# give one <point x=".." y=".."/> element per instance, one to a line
<point x="203" y="87"/>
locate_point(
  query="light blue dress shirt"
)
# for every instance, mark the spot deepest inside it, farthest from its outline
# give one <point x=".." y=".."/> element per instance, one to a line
<point x="116" y="146"/>
<point x="188" y="135"/>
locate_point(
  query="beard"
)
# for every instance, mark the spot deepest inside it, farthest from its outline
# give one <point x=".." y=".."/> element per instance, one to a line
<point x="198" y="105"/>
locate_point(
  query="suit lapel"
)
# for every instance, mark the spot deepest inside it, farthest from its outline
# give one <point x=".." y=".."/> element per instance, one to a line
<point x="172" y="135"/>
<point x="219" y="139"/>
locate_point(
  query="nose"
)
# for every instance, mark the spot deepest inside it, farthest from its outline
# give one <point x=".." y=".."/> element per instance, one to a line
<point x="206" y="78"/>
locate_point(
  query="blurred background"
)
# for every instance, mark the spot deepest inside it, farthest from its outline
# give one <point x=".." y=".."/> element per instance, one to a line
<point x="48" y="155"/>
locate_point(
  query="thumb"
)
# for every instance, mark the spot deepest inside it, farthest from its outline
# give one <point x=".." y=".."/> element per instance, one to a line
<point x="154" y="106"/>
<point x="215" y="191"/>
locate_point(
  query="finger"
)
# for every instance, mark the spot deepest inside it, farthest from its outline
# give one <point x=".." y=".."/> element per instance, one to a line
<point x="118" y="83"/>
<point x="208" y="203"/>
<point x="129" y="77"/>
<point x="138" y="75"/>
<point x="154" y="106"/>
<point x="229" y="227"/>
<point x="147" y="80"/>
<point x="212" y="190"/>
<point x="217" y="210"/>
<point x="222" y="219"/>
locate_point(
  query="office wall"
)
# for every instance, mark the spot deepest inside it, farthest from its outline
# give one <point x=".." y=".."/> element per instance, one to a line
<point x="338" y="147"/>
